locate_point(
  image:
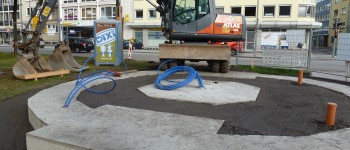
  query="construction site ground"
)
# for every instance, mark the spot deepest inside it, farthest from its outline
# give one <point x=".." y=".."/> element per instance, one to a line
<point x="284" y="116"/>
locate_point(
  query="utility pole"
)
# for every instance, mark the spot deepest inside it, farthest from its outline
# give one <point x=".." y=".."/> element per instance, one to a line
<point x="256" y="29"/>
<point x="21" y="14"/>
<point x="15" y="6"/>
<point x="3" y="20"/>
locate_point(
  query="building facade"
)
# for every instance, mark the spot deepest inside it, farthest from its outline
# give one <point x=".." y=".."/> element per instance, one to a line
<point x="77" y="16"/>
<point x="339" y="18"/>
<point x="323" y="8"/>
<point x="6" y="21"/>
<point x="268" y="15"/>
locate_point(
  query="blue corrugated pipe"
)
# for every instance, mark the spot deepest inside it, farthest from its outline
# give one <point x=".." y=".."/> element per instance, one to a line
<point x="192" y="74"/>
<point x="83" y="81"/>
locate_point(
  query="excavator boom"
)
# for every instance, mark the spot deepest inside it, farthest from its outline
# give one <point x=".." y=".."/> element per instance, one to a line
<point x="30" y="65"/>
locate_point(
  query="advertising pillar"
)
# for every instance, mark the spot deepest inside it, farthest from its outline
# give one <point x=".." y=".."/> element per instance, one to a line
<point x="107" y="39"/>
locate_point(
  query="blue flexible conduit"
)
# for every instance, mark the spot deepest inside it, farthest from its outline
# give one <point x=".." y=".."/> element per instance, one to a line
<point x="97" y="75"/>
<point x="192" y="74"/>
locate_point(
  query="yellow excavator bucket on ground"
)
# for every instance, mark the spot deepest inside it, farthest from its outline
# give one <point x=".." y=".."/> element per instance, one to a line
<point x="62" y="59"/>
<point x="30" y="67"/>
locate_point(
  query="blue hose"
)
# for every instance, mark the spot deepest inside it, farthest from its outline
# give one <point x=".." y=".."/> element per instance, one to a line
<point x="97" y="75"/>
<point x="192" y="74"/>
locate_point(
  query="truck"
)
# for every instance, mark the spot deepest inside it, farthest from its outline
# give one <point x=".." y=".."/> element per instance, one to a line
<point x="199" y="28"/>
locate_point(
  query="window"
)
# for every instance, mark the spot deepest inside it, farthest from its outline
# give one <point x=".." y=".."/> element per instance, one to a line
<point x="343" y="11"/>
<point x="250" y="11"/>
<point x="107" y="12"/>
<point x="220" y="10"/>
<point x="285" y="10"/>
<point x="139" y="14"/>
<point x="71" y="14"/>
<point x="29" y="11"/>
<point x="69" y="1"/>
<point x="185" y="11"/>
<point x="203" y="8"/>
<point x="336" y="13"/>
<point x="269" y="11"/>
<point x="88" y="0"/>
<point x="88" y="13"/>
<point x="306" y="11"/>
<point x="51" y="28"/>
<point x="236" y="10"/>
<point x="152" y="14"/>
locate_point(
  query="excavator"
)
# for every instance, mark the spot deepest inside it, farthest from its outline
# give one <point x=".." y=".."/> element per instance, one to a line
<point x="196" y="23"/>
<point x="30" y="64"/>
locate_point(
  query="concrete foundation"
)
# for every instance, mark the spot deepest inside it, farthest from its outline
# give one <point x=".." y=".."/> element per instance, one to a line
<point x="213" y="92"/>
<point x="112" y="127"/>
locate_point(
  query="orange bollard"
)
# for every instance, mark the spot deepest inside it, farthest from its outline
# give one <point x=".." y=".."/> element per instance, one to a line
<point x="300" y="77"/>
<point x="330" y="116"/>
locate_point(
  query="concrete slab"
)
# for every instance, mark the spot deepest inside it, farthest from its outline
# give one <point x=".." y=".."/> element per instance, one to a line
<point x="113" y="127"/>
<point x="214" y="92"/>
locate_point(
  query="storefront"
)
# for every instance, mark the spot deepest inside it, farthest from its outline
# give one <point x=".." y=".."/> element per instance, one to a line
<point x="155" y="37"/>
<point x="151" y="38"/>
<point x="78" y="31"/>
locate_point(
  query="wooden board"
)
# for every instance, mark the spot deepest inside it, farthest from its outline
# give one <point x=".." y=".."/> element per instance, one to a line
<point x="43" y="74"/>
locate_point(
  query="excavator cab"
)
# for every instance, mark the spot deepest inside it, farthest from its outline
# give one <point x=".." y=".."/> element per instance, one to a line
<point x="197" y="21"/>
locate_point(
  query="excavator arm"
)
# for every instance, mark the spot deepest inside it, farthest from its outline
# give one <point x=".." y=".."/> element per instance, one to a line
<point x="42" y="10"/>
<point x="30" y="65"/>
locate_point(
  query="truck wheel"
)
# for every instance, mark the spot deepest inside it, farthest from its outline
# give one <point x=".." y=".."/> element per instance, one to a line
<point x="215" y="66"/>
<point x="224" y="66"/>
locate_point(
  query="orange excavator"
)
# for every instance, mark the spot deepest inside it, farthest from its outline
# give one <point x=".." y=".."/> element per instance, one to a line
<point x="196" y="22"/>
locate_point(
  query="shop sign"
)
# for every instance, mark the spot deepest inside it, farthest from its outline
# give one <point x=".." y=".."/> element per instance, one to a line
<point x="127" y="18"/>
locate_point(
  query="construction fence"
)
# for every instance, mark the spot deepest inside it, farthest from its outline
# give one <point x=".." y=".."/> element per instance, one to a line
<point x="314" y="50"/>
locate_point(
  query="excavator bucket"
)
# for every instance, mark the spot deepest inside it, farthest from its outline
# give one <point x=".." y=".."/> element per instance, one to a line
<point x="29" y="67"/>
<point x="62" y="59"/>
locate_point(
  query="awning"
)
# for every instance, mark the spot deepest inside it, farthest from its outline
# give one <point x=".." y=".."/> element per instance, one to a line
<point x="144" y="25"/>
